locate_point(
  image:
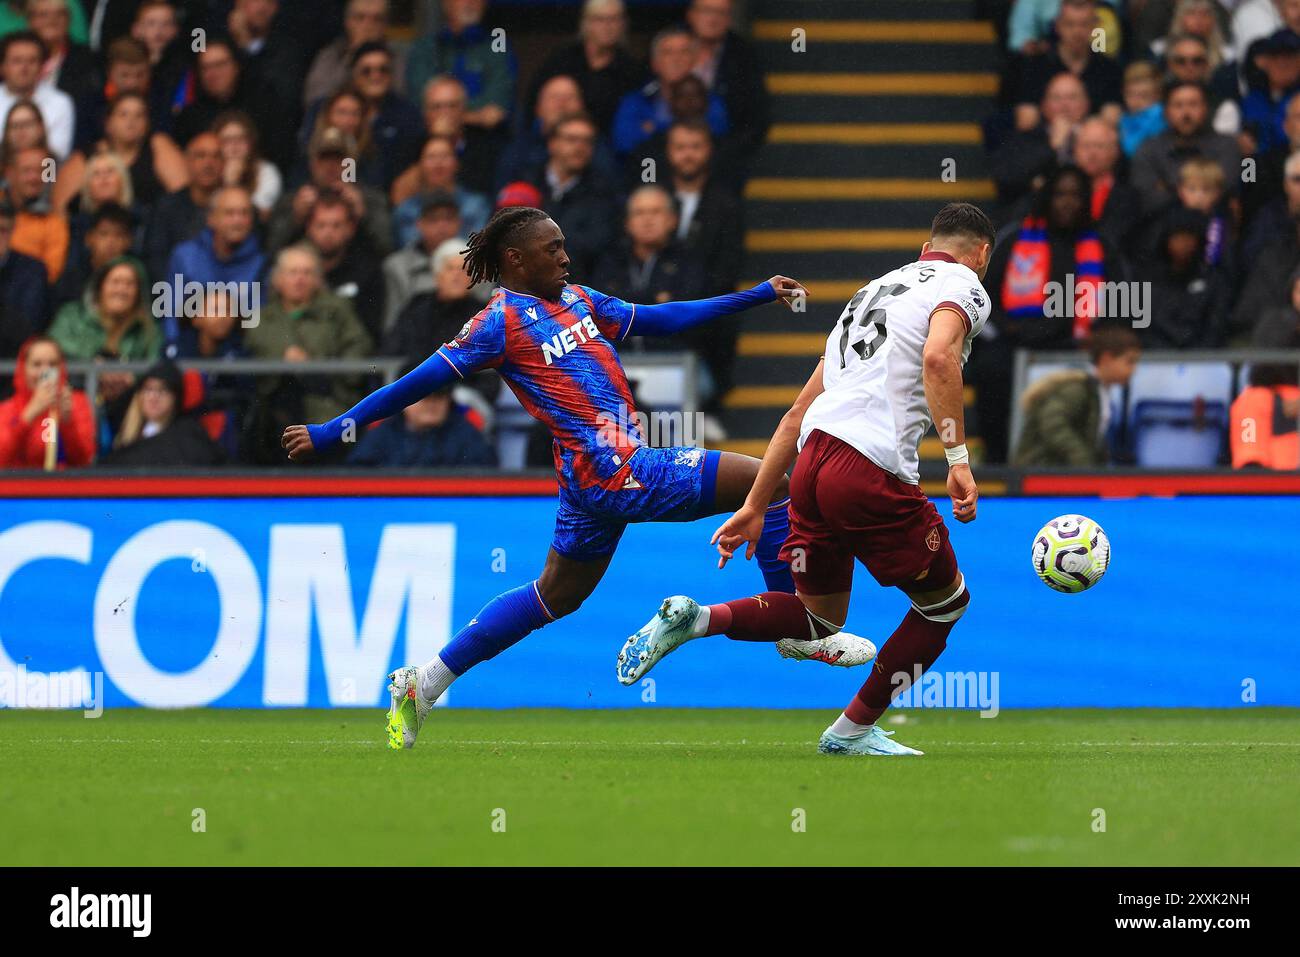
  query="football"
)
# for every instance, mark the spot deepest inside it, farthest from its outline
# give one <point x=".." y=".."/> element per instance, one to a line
<point x="1071" y="553"/>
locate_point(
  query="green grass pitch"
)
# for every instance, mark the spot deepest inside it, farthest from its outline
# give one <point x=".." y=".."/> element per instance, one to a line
<point x="649" y="787"/>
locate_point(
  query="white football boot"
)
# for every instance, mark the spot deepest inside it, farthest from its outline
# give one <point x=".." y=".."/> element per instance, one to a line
<point x="840" y="649"/>
<point x="670" y="627"/>
<point x="408" y="710"/>
<point x="875" y="742"/>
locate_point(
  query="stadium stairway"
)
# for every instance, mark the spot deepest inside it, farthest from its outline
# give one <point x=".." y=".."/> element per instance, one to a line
<point x="886" y="95"/>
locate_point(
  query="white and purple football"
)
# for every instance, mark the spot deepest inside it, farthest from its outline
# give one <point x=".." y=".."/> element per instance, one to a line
<point x="1071" y="553"/>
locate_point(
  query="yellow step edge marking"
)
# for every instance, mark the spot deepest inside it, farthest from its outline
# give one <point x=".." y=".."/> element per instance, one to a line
<point x="876" y="133"/>
<point x="876" y="84"/>
<point x="781" y="343"/>
<point x="877" y="31"/>
<point x="780" y="188"/>
<point x="761" y="396"/>
<point x="817" y="240"/>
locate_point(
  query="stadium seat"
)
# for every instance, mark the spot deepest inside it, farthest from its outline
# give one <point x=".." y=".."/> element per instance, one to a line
<point x="1179" y="434"/>
<point x="1178" y="413"/>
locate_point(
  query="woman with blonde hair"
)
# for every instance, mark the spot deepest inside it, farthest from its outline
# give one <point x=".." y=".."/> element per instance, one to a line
<point x="153" y="161"/>
<point x="242" y="163"/>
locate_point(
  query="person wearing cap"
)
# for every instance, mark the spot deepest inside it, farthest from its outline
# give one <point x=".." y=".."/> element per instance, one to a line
<point x="429" y="433"/>
<point x="331" y="154"/>
<point x="518" y="194"/>
<point x="1264" y="107"/>
<point x="408" y="272"/>
<point x="438" y="167"/>
<point x="156" y="431"/>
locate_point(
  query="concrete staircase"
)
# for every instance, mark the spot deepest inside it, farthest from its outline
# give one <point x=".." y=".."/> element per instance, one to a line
<point x="884" y="97"/>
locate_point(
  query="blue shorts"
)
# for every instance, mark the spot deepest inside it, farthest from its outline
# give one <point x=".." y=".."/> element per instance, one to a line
<point x="671" y="485"/>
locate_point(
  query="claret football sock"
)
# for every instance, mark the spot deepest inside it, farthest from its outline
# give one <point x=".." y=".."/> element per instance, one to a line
<point x="771" y="616"/>
<point x="503" y="621"/>
<point x="910" y="651"/>
<point x="776" y="527"/>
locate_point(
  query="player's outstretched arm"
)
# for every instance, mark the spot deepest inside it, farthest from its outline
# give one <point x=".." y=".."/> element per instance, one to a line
<point x="943" y="392"/>
<point x="746" y="525"/>
<point x="300" y="440"/>
<point x="667" y="318"/>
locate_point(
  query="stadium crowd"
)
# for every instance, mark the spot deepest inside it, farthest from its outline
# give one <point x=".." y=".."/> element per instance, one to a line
<point x="205" y="179"/>
<point x="1154" y="143"/>
<point x="208" y="179"/>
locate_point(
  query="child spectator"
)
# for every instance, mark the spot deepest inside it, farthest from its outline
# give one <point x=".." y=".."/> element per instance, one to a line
<point x="1068" y="416"/>
<point x="41" y="399"/>
<point x="1144" y="113"/>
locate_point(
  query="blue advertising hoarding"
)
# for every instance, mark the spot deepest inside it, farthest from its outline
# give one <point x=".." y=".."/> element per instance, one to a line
<point x="297" y="602"/>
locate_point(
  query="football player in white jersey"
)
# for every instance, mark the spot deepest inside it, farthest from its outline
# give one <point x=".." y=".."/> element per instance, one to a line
<point x="892" y="366"/>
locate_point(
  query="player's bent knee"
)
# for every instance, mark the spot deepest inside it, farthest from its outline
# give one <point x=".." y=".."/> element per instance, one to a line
<point x="946" y="608"/>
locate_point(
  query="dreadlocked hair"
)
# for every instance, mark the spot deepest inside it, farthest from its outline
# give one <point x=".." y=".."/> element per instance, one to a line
<point x="504" y="229"/>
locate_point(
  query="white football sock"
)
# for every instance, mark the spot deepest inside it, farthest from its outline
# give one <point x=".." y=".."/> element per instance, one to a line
<point x="435" y="678"/>
<point x="849" y="729"/>
<point x="701" y="622"/>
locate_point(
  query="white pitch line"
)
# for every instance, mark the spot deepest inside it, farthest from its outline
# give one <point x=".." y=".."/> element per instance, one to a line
<point x="665" y="744"/>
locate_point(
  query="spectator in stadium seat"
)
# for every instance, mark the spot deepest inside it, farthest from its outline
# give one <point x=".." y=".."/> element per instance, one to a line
<point x="710" y="223"/>
<point x="462" y="47"/>
<point x="444" y="106"/>
<point x="437" y="316"/>
<point x="1154" y="170"/>
<point x="1190" y="60"/>
<point x="438" y="167"/>
<point x="215" y="331"/>
<point x="729" y="67"/>
<point x="1271" y="251"/>
<point x="242" y="163"/>
<point x="1035" y="261"/>
<point x="430" y="433"/>
<point x="302" y="321"/>
<point x="647" y="111"/>
<point x="24" y="128"/>
<point x="558" y="97"/>
<point x="364" y="21"/>
<point x="1190" y="298"/>
<point x="352" y="270"/>
<point x="105" y="235"/>
<point x="24" y="299"/>
<point x="409" y="271"/>
<point x="328" y="156"/>
<point x="272" y="59"/>
<point x="1144" y="111"/>
<point x="648" y="264"/>
<point x="222" y="85"/>
<point x="114" y="322"/>
<point x="156" y="431"/>
<point x="104" y="181"/>
<point x="688" y="100"/>
<point x="226" y="249"/>
<point x="394" y="124"/>
<point x="40" y="231"/>
<point x="1115" y="203"/>
<point x="181" y="214"/>
<point x="1068" y="416"/>
<point x="1264" y="105"/>
<point x="21" y="57"/>
<point x="1269" y="169"/>
<point x="1072" y="52"/>
<point x="41" y="393"/>
<point x="155" y="164"/>
<point x="1263" y="431"/>
<point x="345" y="111"/>
<point x="575" y="195"/>
<point x="598" y="60"/>
<point x="156" y="27"/>
<point x="127" y="71"/>
<point x="69" y="65"/>
<point x="1021" y="163"/>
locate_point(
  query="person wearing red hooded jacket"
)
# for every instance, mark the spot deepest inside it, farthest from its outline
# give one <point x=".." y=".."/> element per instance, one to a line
<point x="41" y="391"/>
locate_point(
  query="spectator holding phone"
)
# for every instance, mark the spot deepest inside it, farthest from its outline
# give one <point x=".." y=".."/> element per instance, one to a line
<point x="45" y="423"/>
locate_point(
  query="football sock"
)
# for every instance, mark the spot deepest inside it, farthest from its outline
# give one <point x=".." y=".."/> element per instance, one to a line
<point x="502" y="622"/>
<point x="909" y="652"/>
<point x="776" y="527"/>
<point x="435" y="678"/>
<point x="847" y="728"/>
<point x="771" y="616"/>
